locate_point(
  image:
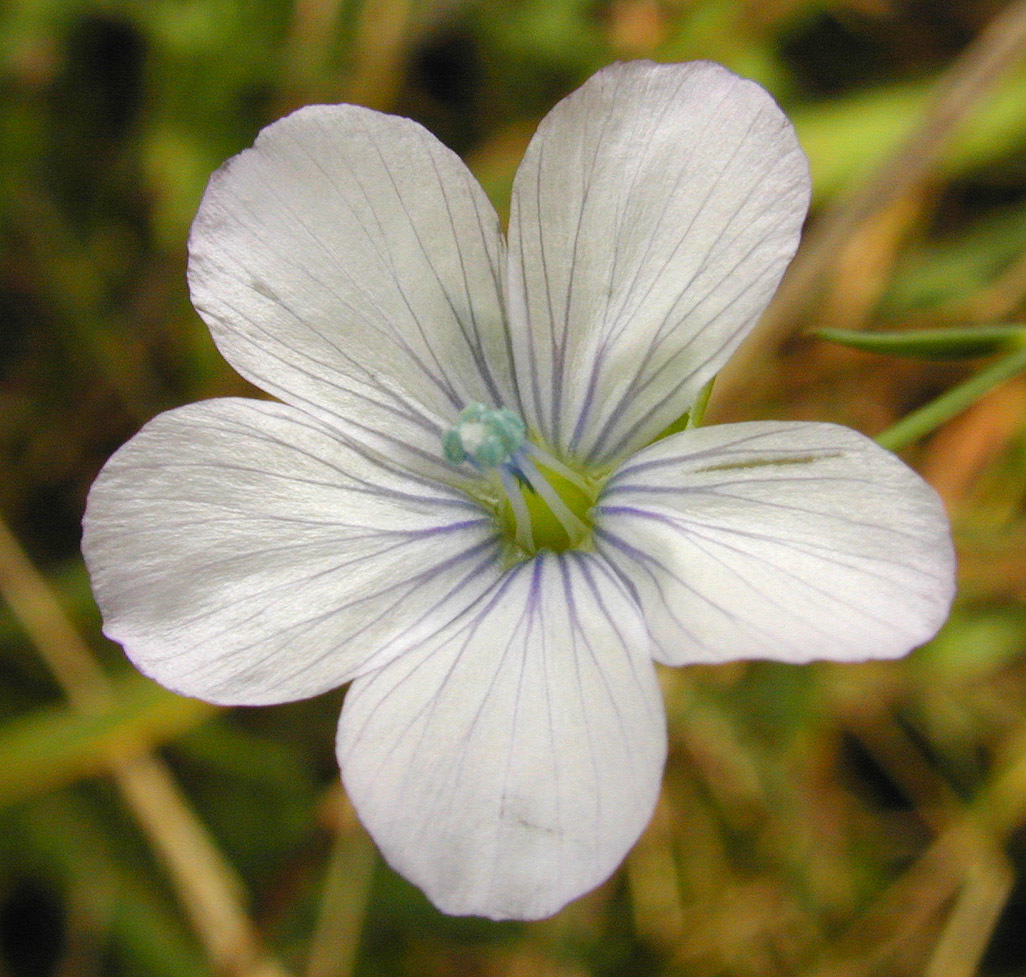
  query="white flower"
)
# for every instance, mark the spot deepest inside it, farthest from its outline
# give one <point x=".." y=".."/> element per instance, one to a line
<point x="457" y="503"/>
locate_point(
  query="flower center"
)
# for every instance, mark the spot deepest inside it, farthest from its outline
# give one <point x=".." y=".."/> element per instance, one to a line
<point x="539" y="502"/>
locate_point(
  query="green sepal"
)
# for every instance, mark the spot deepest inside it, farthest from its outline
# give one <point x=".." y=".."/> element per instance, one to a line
<point x="691" y="418"/>
<point x="960" y="343"/>
<point x="697" y="412"/>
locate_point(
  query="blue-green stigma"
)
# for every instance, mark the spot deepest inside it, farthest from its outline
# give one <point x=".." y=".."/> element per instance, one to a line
<point x="485" y="436"/>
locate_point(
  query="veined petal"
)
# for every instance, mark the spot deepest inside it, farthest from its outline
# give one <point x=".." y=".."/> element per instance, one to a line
<point x="351" y="265"/>
<point x="242" y="554"/>
<point x="508" y="764"/>
<point x="787" y="541"/>
<point x="652" y="218"/>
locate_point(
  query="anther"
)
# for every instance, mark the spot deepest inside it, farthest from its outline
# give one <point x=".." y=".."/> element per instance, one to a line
<point x="485" y="436"/>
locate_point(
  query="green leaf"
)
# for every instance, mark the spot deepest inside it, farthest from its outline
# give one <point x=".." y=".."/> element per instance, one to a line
<point x="976" y="642"/>
<point x="921" y="422"/>
<point x="968" y="342"/>
<point x="847" y="137"/>
<point x="57" y="745"/>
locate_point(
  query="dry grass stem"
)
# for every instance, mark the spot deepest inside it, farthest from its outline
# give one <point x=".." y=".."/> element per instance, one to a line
<point x="206" y="885"/>
<point x="382" y="37"/>
<point x="654" y="882"/>
<point x="908" y="906"/>
<point x="307" y="51"/>
<point x="58" y="643"/>
<point x="997" y="49"/>
<point x="343" y="907"/>
<point x="965" y="868"/>
<point x="972" y="919"/>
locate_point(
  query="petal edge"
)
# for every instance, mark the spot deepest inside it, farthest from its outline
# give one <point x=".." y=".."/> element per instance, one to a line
<point x="652" y="217"/>
<point x="243" y="554"/>
<point x="507" y="766"/>
<point x="786" y="541"/>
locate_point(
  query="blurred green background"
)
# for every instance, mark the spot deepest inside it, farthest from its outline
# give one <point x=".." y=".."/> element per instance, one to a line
<point x="824" y="821"/>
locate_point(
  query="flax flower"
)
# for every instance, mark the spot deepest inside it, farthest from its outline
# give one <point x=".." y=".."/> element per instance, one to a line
<point x="461" y="500"/>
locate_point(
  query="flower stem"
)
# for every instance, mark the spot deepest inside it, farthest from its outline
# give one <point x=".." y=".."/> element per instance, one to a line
<point x="921" y="422"/>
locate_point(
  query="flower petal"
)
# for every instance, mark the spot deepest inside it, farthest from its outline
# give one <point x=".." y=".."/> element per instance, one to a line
<point x="508" y="765"/>
<point x="783" y="541"/>
<point x="242" y="554"/>
<point x="351" y="265"/>
<point x="652" y="217"/>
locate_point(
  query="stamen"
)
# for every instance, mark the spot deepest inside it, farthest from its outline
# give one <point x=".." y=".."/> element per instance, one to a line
<point x="575" y="529"/>
<point x="521" y="514"/>
<point x="483" y="436"/>
<point x="553" y="464"/>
